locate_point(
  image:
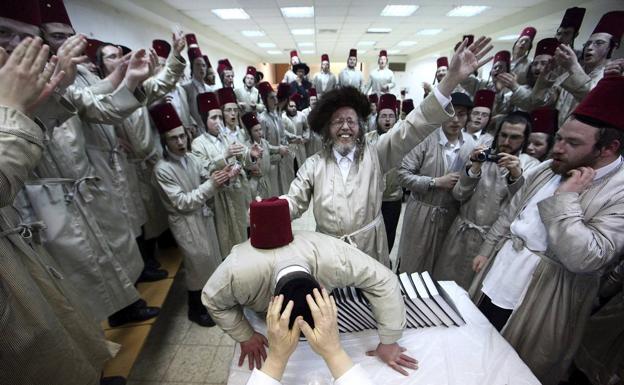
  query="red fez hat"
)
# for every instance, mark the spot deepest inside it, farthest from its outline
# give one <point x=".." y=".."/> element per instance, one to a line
<point x="53" y="11"/>
<point x="191" y="40"/>
<point x="26" y="11"/>
<point x="408" y="106"/>
<point x="573" y="18"/>
<point x="546" y="46"/>
<point x="165" y="117"/>
<point x="442" y="62"/>
<point x="250" y="120"/>
<point x="388" y="101"/>
<point x="91" y="50"/>
<point x="613" y="24"/>
<point x="193" y="53"/>
<point x="207" y="101"/>
<point x="226" y="95"/>
<point x="484" y="98"/>
<point x="544" y="119"/>
<point x="324" y="57"/>
<point x="162" y="48"/>
<point x="502" y="56"/>
<point x="224" y="65"/>
<point x="353" y="52"/>
<point x="604" y="103"/>
<point x="265" y="88"/>
<point x="283" y="91"/>
<point x="251" y="70"/>
<point x="528" y="31"/>
<point x="373" y="98"/>
<point x="312" y="92"/>
<point x="293" y="53"/>
<point x="207" y="61"/>
<point x="269" y="222"/>
<point x="296" y="97"/>
<point x="383" y="53"/>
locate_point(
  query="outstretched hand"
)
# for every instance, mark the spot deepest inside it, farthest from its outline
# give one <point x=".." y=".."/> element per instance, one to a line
<point x="392" y="354"/>
<point x="70" y="54"/>
<point x="139" y="69"/>
<point x="465" y="61"/>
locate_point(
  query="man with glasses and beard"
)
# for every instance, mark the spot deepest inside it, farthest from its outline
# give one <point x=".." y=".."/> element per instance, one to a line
<point x="345" y="179"/>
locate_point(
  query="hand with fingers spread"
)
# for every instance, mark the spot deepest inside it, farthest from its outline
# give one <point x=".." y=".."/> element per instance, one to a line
<point x="26" y="77"/>
<point x="118" y="74"/>
<point x="138" y="69"/>
<point x="508" y="80"/>
<point x="282" y="341"/>
<point x="392" y="354"/>
<point x="565" y="57"/>
<point x="178" y="42"/>
<point x="254" y="350"/>
<point x="70" y="54"/>
<point x="577" y="180"/>
<point x="465" y="61"/>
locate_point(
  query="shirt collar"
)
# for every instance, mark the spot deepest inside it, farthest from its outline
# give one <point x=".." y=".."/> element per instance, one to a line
<point x="350" y="155"/>
<point x="213" y="139"/>
<point x="444" y="140"/>
<point x="177" y="158"/>
<point x="602" y="171"/>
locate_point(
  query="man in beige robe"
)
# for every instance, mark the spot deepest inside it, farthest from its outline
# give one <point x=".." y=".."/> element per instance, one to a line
<point x="345" y="180"/>
<point x="430" y="171"/>
<point x="197" y="84"/>
<point x="300" y="134"/>
<point x="520" y="54"/>
<point x="247" y="96"/>
<point x="482" y="189"/>
<point x="186" y="191"/>
<point x="556" y="237"/>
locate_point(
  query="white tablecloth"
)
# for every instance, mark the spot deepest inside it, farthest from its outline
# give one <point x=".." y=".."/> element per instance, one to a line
<point x="471" y="354"/>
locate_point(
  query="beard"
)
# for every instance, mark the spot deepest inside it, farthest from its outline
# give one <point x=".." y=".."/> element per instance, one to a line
<point x="343" y="148"/>
<point x="562" y="167"/>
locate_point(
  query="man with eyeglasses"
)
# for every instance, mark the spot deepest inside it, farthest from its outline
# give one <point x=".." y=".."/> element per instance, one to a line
<point x="566" y="84"/>
<point x="483" y="188"/>
<point x="479" y="117"/>
<point x="345" y="179"/>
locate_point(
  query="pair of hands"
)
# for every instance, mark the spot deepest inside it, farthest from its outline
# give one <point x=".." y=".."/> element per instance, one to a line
<point x="576" y="181"/>
<point x="508" y="161"/>
<point x="237" y="149"/>
<point x="223" y="176"/>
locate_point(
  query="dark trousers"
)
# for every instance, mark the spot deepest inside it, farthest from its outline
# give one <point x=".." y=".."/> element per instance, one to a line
<point x="391" y="211"/>
<point x="496" y="315"/>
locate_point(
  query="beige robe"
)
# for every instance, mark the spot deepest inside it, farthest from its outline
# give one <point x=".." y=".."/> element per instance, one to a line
<point x="300" y="130"/>
<point x="274" y="132"/>
<point x="45" y="338"/>
<point x="230" y="202"/>
<point x="245" y="98"/>
<point x="185" y="195"/>
<point x="331" y="82"/>
<point x="352" y="211"/>
<point x="584" y="237"/>
<point x="428" y="213"/>
<point x="393" y="191"/>
<point x="246" y="278"/>
<point x="192" y="88"/>
<point x="379" y="80"/>
<point x="482" y="198"/>
<point x="259" y="186"/>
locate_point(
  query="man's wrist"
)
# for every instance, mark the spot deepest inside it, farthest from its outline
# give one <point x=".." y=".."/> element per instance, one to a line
<point x="338" y="363"/>
<point x="274" y="366"/>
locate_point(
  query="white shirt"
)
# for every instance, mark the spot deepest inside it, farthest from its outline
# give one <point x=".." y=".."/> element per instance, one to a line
<point x="511" y="273"/>
<point x="450" y="149"/>
<point x="350" y="77"/>
<point x="344" y="163"/>
<point x="354" y="376"/>
<point x="180" y="159"/>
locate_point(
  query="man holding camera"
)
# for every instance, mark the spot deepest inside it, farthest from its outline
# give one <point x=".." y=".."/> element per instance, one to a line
<point x="482" y="189"/>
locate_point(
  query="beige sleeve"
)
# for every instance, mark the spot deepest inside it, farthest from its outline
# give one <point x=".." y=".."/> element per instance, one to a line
<point x="109" y="108"/>
<point x="164" y="81"/>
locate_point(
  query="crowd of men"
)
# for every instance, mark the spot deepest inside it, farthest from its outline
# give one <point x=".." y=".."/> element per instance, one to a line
<point x="513" y="185"/>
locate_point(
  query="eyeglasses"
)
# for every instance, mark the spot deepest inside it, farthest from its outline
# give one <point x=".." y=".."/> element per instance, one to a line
<point x="229" y="110"/>
<point x="597" y="43"/>
<point x="338" y="123"/>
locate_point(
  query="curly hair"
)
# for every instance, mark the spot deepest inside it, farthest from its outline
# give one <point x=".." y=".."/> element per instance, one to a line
<point x="319" y="117"/>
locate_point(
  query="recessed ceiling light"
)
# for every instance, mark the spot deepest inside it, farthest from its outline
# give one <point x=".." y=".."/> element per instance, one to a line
<point x="366" y="43"/>
<point x="302" y="31"/>
<point x="406" y="43"/>
<point x="393" y="51"/>
<point x="298" y="11"/>
<point x="429" y="31"/>
<point x="379" y="30"/>
<point x="274" y="52"/>
<point x="231" y="13"/>
<point x="399" y="10"/>
<point x="467" y="10"/>
<point x="305" y="44"/>
<point x="307" y="51"/>
<point x="507" y="37"/>
<point x="253" y="33"/>
<point x="266" y="45"/>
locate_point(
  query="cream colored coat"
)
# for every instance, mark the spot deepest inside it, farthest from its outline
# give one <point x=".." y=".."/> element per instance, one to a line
<point x="352" y="210"/>
<point x="231" y="202"/>
<point x="259" y="186"/>
<point x="273" y="131"/>
<point x="245" y="98"/>
<point x="584" y="237"/>
<point x="246" y="278"/>
<point x="301" y="130"/>
<point x="481" y="198"/>
<point x="192" y="88"/>
<point x="186" y="194"/>
<point x="428" y="213"/>
<point x="393" y="191"/>
<point x="519" y="68"/>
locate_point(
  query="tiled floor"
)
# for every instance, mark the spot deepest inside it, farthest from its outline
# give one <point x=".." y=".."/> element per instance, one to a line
<point x="180" y="352"/>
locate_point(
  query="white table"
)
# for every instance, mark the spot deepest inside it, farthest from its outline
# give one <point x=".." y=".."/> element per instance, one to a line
<point x="471" y="354"/>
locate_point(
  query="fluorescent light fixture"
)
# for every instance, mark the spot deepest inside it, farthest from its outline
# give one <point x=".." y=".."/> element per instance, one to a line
<point x="305" y="44"/>
<point x="406" y="43"/>
<point x="274" y="52"/>
<point x="266" y="45"/>
<point x="303" y="31"/>
<point x="361" y="51"/>
<point x="298" y="12"/>
<point x="367" y="43"/>
<point x="253" y="33"/>
<point x="393" y="51"/>
<point x="379" y="30"/>
<point x="467" y="10"/>
<point x="429" y="31"/>
<point x="307" y="51"/>
<point x="507" y="37"/>
<point x="231" y="13"/>
<point x="399" y="10"/>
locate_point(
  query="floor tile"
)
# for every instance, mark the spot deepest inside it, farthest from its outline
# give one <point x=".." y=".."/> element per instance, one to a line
<point x="199" y="335"/>
<point x="191" y="364"/>
<point x="153" y="361"/>
<point x="220" y="368"/>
